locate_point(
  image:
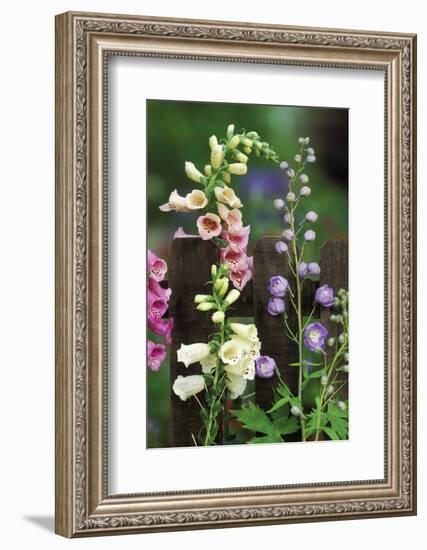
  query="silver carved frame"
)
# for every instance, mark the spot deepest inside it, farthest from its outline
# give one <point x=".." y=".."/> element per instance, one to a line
<point x="83" y="43"/>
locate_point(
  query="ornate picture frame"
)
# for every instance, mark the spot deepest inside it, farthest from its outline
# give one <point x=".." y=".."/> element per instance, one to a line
<point x="83" y="44"/>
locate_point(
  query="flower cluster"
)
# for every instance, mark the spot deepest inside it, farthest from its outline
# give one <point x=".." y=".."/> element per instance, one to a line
<point x="157" y="305"/>
<point x="221" y="217"/>
<point x="227" y="360"/>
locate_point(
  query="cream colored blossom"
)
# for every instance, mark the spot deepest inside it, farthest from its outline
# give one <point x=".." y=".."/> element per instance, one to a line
<point x="237" y="168"/>
<point x="245" y="368"/>
<point x="175" y="202"/>
<point x="236" y="385"/>
<point x="217" y="156"/>
<point x="192" y="172"/>
<point x="231" y="352"/>
<point x="187" y="386"/>
<point x="209" y="363"/>
<point x="196" y="200"/>
<point x="192" y="353"/>
<point x="227" y="196"/>
<point x="248" y="332"/>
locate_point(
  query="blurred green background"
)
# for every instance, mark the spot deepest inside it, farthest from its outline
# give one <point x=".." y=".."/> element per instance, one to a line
<point x="178" y="131"/>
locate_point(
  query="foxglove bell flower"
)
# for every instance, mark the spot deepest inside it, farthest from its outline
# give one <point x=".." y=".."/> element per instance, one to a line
<point x="324" y="296"/>
<point x="192" y="172"/>
<point x="237" y="240"/>
<point x="315" y="335"/>
<point x="275" y="306"/>
<point x="162" y="327"/>
<point x="233" y="259"/>
<point x="156" y="354"/>
<point x="240" y="278"/>
<point x="244" y="368"/>
<point x="231" y="352"/>
<point x="209" y="363"/>
<point x="187" y="386"/>
<point x="236" y="385"/>
<point x="157" y="267"/>
<point x="248" y="332"/>
<point x="175" y="203"/>
<point x="193" y="353"/>
<point x="227" y="196"/>
<point x="196" y="200"/>
<point x="265" y="366"/>
<point x="278" y="286"/>
<point x="209" y="226"/>
<point x="233" y="218"/>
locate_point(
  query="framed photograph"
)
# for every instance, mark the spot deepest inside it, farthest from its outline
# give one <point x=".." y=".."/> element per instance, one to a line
<point x="235" y="274"/>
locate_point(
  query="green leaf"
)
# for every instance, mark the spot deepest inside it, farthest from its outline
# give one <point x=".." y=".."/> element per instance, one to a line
<point x="279" y="404"/>
<point x="316" y="374"/>
<point x="254" y="418"/>
<point x="287" y="425"/>
<point x="283" y="390"/>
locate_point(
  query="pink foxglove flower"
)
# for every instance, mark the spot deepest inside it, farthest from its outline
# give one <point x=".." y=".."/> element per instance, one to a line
<point x="157" y="299"/>
<point x="209" y="226"/>
<point x="157" y="267"/>
<point x="155" y="288"/>
<point x="233" y="218"/>
<point x="240" y="278"/>
<point x="156" y="354"/>
<point x="238" y="240"/>
<point x="234" y="259"/>
<point x="162" y="327"/>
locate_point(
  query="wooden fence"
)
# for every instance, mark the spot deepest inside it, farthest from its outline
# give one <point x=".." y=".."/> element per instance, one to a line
<point x="189" y="270"/>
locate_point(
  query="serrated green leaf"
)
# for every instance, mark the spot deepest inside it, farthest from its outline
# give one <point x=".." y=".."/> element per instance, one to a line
<point x="283" y="390"/>
<point x="266" y="439"/>
<point x="254" y="418"/>
<point x="330" y="432"/>
<point x="288" y="425"/>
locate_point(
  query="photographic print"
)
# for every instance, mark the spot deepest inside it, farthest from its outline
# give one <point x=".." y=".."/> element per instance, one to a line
<point x="247" y="274"/>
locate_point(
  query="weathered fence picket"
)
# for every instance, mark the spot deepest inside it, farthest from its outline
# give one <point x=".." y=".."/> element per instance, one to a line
<point x="189" y="270"/>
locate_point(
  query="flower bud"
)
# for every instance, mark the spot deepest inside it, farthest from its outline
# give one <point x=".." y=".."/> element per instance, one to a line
<point x="241" y="157"/>
<point x="247" y="142"/>
<point x="192" y="172"/>
<point x="218" y="317"/>
<point x="224" y="287"/>
<point x="234" y="142"/>
<point x="324" y="379"/>
<point x="208" y="170"/>
<point x="309" y="235"/>
<point x="305" y="191"/>
<point x="247" y="150"/>
<point x="303" y="178"/>
<point x="311" y="216"/>
<point x="288" y="234"/>
<point x="345" y="368"/>
<point x="230" y="131"/>
<point x="219" y="282"/>
<point x="237" y="168"/>
<point x="297" y="158"/>
<point x="214" y="271"/>
<point x="279" y="204"/>
<point x="336" y="301"/>
<point x="341" y="405"/>
<point x="295" y="410"/>
<point x="290" y="172"/>
<point x="206" y="306"/>
<point x="213" y="142"/>
<point x="199" y="298"/>
<point x="309" y="151"/>
<point x="306" y="141"/>
<point x="329" y="390"/>
<point x="290" y="197"/>
<point x="346" y="356"/>
<point x="313" y="268"/>
<point x="226" y="177"/>
<point x="232" y="296"/>
<point x="301" y="140"/>
<point x="331" y="342"/>
<point x="281" y="247"/>
<point x="284" y="165"/>
<point x="341" y="338"/>
<point x="217" y="156"/>
<point x="310" y="159"/>
<point x="287" y="218"/>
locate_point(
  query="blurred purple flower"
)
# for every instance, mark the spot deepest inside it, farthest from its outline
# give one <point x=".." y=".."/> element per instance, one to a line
<point x="265" y="366"/>
<point x="313" y="268"/>
<point x="279" y="204"/>
<point x="288" y="234"/>
<point x="309" y="235"/>
<point x="311" y="216"/>
<point x="275" y="306"/>
<point x="281" y="247"/>
<point x="302" y="270"/>
<point x="315" y="335"/>
<point x="278" y="286"/>
<point x="324" y="296"/>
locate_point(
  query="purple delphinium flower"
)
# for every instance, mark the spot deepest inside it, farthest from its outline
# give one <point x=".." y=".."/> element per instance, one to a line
<point x="324" y="296"/>
<point x="265" y="366"/>
<point x="275" y="306"/>
<point x="279" y="204"/>
<point x="302" y="270"/>
<point x="313" y="268"/>
<point x="278" y="286"/>
<point x="309" y="235"/>
<point x="281" y="247"/>
<point x="288" y="234"/>
<point x="315" y="335"/>
<point x="311" y="216"/>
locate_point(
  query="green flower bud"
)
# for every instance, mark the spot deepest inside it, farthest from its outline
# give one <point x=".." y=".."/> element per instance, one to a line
<point x="200" y="298"/>
<point x="331" y="342"/>
<point x="224" y="287"/>
<point x="230" y="131"/>
<point x="336" y="301"/>
<point x="247" y="142"/>
<point x="213" y="142"/>
<point x="247" y="150"/>
<point x="324" y="380"/>
<point x="214" y="271"/>
<point x="219" y="282"/>
<point x="208" y="170"/>
<point x="329" y="390"/>
<point x="341" y="338"/>
<point x="341" y="405"/>
<point x="234" y="142"/>
<point x="206" y="306"/>
<point x="295" y="410"/>
<point x="232" y="296"/>
<point x="218" y="317"/>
